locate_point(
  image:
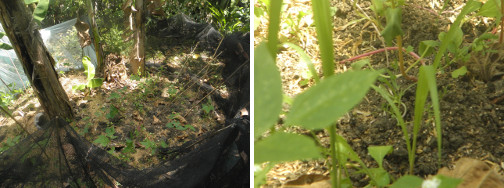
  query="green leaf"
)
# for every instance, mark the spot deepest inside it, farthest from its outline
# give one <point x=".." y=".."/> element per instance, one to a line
<point x="379" y="152"/>
<point x="426" y="47"/>
<point x="110" y="131"/>
<point x="380" y="176"/>
<point x="114" y="95"/>
<point x="470" y="6"/>
<point x="79" y="87"/>
<point x="27" y="2"/>
<point x="113" y="111"/>
<point x="5" y="46"/>
<point x="102" y="140"/>
<point x="324" y="28"/>
<point x="95" y="82"/>
<point x="359" y="64"/>
<point x="323" y="104"/>
<point x="426" y="83"/>
<point x="454" y="40"/>
<point x="407" y="181"/>
<point x="459" y="72"/>
<point x="306" y="59"/>
<point x="448" y="182"/>
<point x="378" y="7"/>
<point x="89" y="68"/>
<point x="40" y="12"/>
<point x="393" y="27"/>
<point x="267" y="91"/>
<point x="281" y="147"/>
<point x="491" y="9"/>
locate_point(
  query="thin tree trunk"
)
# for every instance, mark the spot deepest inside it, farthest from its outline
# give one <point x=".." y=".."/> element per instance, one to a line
<point x="138" y="61"/>
<point x="96" y="40"/>
<point x="37" y="62"/>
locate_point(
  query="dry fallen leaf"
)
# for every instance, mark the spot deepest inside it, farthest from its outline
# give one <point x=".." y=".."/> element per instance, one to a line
<point x="309" y="181"/>
<point x="155" y="120"/>
<point x="474" y="173"/>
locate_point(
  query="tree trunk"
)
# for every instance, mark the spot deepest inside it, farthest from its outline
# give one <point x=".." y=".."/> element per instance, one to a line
<point x="96" y="40"/>
<point x="37" y="62"/>
<point x="138" y="61"/>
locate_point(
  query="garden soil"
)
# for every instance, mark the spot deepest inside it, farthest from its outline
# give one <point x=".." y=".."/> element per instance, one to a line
<point x="472" y="109"/>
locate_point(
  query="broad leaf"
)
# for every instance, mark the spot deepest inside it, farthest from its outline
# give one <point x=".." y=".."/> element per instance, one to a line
<point x="380" y="176"/>
<point x="393" y="27"/>
<point x="407" y="181"/>
<point x="267" y="91"/>
<point x="324" y="103"/>
<point x="459" y="72"/>
<point x="40" y="12"/>
<point x="281" y="147"/>
<point x="89" y="68"/>
<point x="95" y="82"/>
<point x="378" y="153"/>
<point x="491" y="9"/>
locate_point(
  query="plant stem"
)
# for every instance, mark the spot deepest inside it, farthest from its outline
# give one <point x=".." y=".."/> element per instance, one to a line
<point x="401" y="60"/>
<point x="416" y="56"/>
<point x="502" y="23"/>
<point x="334" y="171"/>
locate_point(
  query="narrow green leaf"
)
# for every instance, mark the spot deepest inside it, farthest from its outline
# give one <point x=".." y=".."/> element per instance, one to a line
<point x="407" y="181"/>
<point x="267" y="91"/>
<point x="470" y="6"/>
<point x="379" y="152"/>
<point x="281" y="147"/>
<point x="459" y="72"/>
<point x="323" y="23"/>
<point x="326" y="102"/>
<point x="306" y="59"/>
<point x="430" y="75"/>
<point x="393" y="27"/>
<point x="274" y="26"/>
<point x="420" y="98"/>
<point x="95" y="82"/>
<point x="40" y="12"/>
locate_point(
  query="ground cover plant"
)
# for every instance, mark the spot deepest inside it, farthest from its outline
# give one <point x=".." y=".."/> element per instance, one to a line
<point x="329" y="127"/>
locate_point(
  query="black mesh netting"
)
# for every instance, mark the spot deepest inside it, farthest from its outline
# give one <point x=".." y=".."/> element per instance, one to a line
<point x="59" y="157"/>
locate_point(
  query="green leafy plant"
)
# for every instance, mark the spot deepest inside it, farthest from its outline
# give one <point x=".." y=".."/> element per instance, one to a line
<point x="105" y="139"/>
<point x="207" y="107"/>
<point x="149" y="144"/>
<point x="89" y="70"/>
<point x="11" y="141"/>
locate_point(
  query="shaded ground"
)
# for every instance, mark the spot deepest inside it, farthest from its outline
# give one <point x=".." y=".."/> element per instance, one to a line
<point x="471" y="110"/>
<point x="165" y="109"/>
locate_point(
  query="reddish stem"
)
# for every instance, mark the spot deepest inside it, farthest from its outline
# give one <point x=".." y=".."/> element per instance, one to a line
<point x="381" y="50"/>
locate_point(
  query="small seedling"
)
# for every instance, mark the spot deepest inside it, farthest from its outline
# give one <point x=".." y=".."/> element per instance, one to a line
<point x="207" y="107"/>
<point x="150" y="145"/>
